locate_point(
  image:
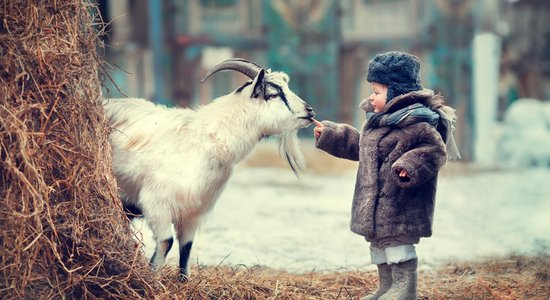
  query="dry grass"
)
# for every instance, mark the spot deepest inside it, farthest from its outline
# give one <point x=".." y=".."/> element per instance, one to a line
<point x="516" y="277"/>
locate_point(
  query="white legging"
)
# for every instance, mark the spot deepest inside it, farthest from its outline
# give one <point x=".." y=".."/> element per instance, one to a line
<point x="392" y="255"/>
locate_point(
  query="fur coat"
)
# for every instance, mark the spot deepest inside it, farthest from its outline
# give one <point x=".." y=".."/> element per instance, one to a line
<point x="384" y="205"/>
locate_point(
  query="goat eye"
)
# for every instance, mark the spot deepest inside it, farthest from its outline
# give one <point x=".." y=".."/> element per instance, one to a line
<point x="273" y="96"/>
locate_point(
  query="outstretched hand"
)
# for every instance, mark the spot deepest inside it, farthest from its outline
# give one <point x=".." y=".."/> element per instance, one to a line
<point x="319" y="127"/>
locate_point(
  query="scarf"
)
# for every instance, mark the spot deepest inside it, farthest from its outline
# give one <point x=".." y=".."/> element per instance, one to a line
<point x="416" y="113"/>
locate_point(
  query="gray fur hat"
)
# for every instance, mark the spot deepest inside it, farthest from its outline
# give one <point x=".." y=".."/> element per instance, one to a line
<point x="400" y="71"/>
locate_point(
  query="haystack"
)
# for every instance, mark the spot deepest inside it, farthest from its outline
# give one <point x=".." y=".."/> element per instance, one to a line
<point x="62" y="229"/>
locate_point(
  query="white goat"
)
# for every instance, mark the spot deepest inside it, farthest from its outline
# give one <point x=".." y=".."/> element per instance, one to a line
<point x="173" y="163"/>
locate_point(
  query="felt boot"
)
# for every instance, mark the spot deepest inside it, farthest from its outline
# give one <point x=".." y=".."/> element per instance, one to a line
<point x="385" y="280"/>
<point x="404" y="280"/>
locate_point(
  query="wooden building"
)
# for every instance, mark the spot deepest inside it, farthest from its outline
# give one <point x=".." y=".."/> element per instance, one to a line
<point x="165" y="47"/>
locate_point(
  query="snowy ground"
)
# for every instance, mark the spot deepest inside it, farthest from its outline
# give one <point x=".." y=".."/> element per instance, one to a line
<point x="266" y="216"/>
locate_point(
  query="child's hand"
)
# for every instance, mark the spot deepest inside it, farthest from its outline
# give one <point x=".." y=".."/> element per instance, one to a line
<point x="403" y="175"/>
<point x="319" y="127"/>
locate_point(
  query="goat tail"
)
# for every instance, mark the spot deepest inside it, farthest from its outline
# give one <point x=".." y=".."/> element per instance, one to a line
<point x="289" y="149"/>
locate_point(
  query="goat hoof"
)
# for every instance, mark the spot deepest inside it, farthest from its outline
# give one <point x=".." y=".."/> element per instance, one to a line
<point x="183" y="278"/>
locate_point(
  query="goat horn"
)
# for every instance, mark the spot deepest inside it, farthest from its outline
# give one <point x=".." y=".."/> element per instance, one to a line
<point x="248" y="68"/>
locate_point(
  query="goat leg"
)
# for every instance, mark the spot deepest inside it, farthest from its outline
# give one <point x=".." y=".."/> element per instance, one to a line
<point x="185" y="251"/>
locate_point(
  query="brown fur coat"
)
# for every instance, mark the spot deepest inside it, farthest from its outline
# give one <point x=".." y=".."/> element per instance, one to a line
<point x="383" y="204"/>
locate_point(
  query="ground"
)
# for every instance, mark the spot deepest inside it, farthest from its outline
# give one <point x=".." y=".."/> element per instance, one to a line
<point x="514" y="277"/>
<point x="268" y="218"/>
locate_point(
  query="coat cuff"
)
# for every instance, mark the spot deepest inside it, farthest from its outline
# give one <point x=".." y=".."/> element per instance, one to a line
<point x="340" y="140"/>
<point x="327" y="139"/>
<point x="407" y="182"/>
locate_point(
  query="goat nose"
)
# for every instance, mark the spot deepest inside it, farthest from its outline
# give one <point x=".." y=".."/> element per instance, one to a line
<point x="310" y="111"/>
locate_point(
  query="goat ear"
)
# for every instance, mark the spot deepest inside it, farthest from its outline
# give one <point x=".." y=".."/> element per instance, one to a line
<point x="258" y="84"/>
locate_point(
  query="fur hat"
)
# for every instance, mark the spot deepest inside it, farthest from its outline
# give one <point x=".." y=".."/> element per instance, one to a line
<point x="400" y="71"/>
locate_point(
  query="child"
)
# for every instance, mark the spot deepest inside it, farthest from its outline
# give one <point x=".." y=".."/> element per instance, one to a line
<point x="401" y="147"/>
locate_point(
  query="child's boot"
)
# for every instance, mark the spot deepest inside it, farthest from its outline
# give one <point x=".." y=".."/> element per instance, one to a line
<point x="385" y="281"/>
<point x="404" y="280"/>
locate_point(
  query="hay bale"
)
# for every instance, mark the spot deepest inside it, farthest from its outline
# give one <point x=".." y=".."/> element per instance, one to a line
<point x="63" y="232"/>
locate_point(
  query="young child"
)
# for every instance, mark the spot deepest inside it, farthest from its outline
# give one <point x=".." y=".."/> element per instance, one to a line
<point x="401" y="147"/>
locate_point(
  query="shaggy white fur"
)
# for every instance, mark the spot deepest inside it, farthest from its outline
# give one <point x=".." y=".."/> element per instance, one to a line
<point x="173" y="163"/>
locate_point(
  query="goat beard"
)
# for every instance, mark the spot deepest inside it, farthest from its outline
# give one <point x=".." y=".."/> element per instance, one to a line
<point x="289" y="149"/>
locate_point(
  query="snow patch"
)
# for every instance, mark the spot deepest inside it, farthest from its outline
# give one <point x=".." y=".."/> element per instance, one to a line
<point x="525" y="134"/>
<point x="266" y="216"/>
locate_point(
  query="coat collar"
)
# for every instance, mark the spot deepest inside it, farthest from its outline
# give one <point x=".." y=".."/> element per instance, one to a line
<point x="425" y="97"/>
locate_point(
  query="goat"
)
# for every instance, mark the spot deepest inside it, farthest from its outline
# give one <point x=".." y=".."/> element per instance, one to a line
<point x="173" y="163"/>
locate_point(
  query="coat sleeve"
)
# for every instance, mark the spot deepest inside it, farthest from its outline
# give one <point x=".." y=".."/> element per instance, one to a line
<point x="340" y="140"/>
<point x="422" y="162"/>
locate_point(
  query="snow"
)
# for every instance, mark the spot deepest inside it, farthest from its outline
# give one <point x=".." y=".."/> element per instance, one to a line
<point x="266" y="216"/>
<point x="525" y="134"/>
